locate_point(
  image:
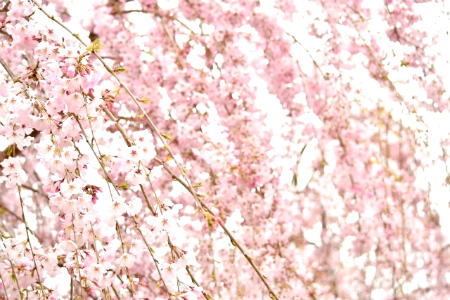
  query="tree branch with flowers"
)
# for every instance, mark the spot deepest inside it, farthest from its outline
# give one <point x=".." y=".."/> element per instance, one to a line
<point x="223" y="150"/>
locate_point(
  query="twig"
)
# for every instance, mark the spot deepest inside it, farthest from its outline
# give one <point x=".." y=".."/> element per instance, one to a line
<point x="16" y="279"/>
<point x="172" y="248"/>
<point x="8" y="70"/>
<point x="304" y="48"/>
<point x="221" y="223"/>
<point x="146" y="199"/>
<point x="2" y="206"/>
<point x="150" y="250"/>
<point x="120" y="128"/>
<point x="4" y="286"/>
<point x="29" y="242"/>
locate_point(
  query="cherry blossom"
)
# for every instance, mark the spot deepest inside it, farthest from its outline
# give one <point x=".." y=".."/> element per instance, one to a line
<point x="224" y="149"/>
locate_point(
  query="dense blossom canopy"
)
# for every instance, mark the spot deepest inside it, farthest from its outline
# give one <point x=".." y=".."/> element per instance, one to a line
<point x="224" y="149"/>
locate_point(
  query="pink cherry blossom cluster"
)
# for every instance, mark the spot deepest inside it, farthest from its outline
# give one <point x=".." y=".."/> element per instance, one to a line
<point x="224" y="149"/>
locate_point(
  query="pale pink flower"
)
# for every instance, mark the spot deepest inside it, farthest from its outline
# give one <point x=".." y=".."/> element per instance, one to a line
<point x="126" y="260"/>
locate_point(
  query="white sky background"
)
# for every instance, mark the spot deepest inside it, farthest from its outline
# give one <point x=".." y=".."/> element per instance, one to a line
<point x="439" y="123"/>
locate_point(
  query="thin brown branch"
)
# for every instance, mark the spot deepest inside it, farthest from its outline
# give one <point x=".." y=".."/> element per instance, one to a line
<point x="3" y="207"/>
<point x="27" y="229"/>
<point x="13" y="271"/>
<point x="120" y="128"/>
<point x="304" y="48"/>
<point x="222" y="224"/>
